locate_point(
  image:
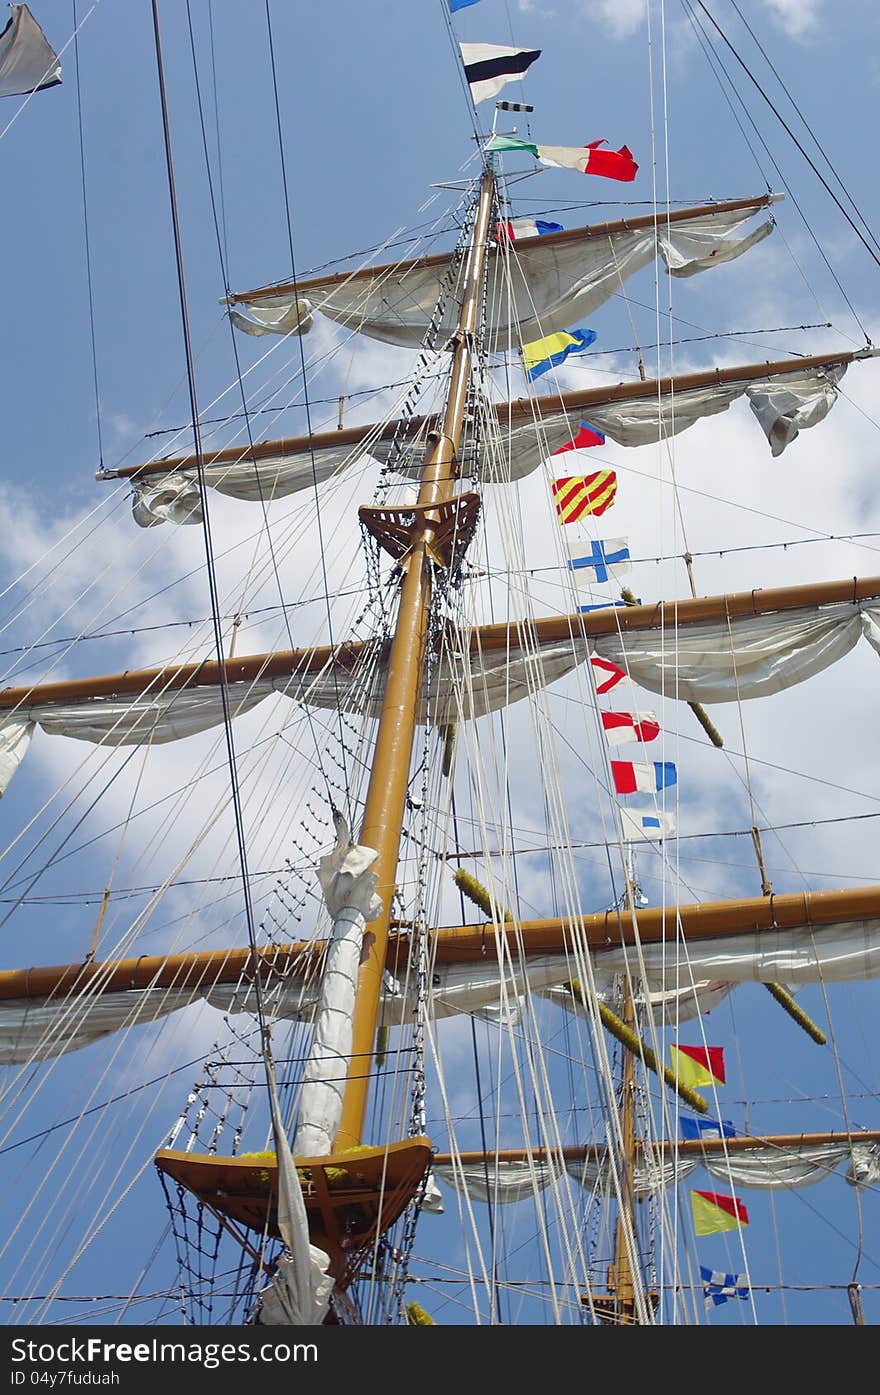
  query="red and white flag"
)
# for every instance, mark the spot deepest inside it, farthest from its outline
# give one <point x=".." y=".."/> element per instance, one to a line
<point x="589" y="159"/>
<point x="607" y="674"/>
<point x="629" y="726"/>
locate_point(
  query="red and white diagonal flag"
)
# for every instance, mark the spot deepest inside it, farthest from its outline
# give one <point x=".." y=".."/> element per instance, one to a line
<point x="629" y="726"/>
<point x="607" y="674"/>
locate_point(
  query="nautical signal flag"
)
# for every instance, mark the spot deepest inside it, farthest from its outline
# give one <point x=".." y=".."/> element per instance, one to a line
<point x="698" y="1065"/>
<point x="576" y="496"/>
<point x="488" y="67"/>
<point x="604" y="605"/>
<point x="515" y="228"/>
<point x="606" y="674"/>
<point x="717" y="1211"/>
<point x="587" y="436"/>
<point x="589" y="159"/>
<point x="650" y="777"/>
<point x="543" y="354"/>
<point x="586" y="159"/>
<point x="28" y="63"/>
<point x="706" y="1128"/>
<point x="600" y="561"/>
<point x="630" y="726"/>
<point x="719" y="1286"/>
<point x="640" y="825"/>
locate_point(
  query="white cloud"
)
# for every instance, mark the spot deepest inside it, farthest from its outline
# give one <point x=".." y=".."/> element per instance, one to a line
<point x="619" y="17"/>
<point x="796" y="17"/>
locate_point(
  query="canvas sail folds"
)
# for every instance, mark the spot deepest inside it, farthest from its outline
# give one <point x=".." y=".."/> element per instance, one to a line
<point x="550" y="283"/>
<point x="491" y="681"/>
<point x="634" y="414"/>
<point x="681" y="980"/>
<point x="27" y="60"/>
<point x="175" y="497"/>
<point x="742" y="657"/>
<point x="784" y="404"/>
<point x="764" y="1167"/>
<point x="349" y="889"/>
<point x="717" y="660"/>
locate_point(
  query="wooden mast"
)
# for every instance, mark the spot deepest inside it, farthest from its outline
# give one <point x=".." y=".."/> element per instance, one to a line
<point x="620" y="1308"/>
<point x="386" y="794"/>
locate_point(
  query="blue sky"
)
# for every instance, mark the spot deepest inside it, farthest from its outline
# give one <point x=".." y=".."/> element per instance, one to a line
<point x="372" y="116"/>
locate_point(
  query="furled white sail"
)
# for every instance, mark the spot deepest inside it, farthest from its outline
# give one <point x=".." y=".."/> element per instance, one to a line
<point x="670" y="1007"/>
<point x="548" y="284"/>
<point x="134" y="721"/>
<point x="765" y="1167"/>
<point x="700" y="661"/>
<point x="298" y="1294"/>
<point x="701" y="973"/>
<point x="349" y="889"/>
<point x="175" y="497"/>
<point x="784" y="404"/>
<point x="747" y="656"/>
<point x="492" y="680"/>
<point x="28" y="61"/>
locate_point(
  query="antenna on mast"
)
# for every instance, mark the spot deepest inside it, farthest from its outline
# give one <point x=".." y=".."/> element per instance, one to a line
<point x="508" y="106"/>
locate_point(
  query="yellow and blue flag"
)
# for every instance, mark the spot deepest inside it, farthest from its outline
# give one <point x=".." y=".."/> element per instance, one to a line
<point x="543" y="354"/>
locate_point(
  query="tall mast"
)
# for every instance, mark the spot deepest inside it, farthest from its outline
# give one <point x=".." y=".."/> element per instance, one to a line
<point x="386" y="795"/>
<point x="621" y="1282"/>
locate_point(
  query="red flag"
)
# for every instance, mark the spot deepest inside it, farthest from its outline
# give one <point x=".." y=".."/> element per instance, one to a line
<point x="586" y="437"/>
<point x="613" y="164"/>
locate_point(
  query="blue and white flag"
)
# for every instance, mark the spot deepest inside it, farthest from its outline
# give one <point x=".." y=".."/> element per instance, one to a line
<point x="599" y="561"/>
<point x="718" y="1286"/>
<point x="649" y="777"/>
<point x="638" y="825"/>
<point x="460" y="5"/>
<point x="706" y="1128"/>
<point x="603" y="605"/>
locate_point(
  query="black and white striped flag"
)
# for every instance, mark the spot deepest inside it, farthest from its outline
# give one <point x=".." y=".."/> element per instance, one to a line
<point x="488" y="67"/>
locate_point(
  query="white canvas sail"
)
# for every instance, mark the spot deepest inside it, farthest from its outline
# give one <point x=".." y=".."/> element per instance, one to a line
<point x="549" y="284"/>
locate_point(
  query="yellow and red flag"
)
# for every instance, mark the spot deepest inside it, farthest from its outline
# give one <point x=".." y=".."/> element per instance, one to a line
<point x="576" y="496"/>
<point x="698" y="1065"/>
<point x="717" y="1211"/>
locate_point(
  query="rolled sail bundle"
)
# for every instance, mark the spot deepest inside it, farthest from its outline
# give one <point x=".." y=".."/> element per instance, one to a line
<point x="713" y="649"/>
<point x="766" y="1165"/>
<point x="785" y="403"/>
<point x="160" y="708"/>
<point x="786" y="396"/>
<point x="548" y="283"/>
<point x="802" y="938"/>
<point x="744" y="658"/>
